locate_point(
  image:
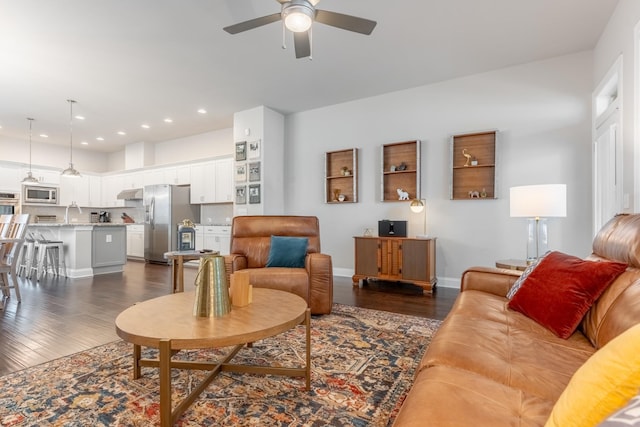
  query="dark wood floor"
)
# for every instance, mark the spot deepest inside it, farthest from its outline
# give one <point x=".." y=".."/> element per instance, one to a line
<point x="60" y="316"/>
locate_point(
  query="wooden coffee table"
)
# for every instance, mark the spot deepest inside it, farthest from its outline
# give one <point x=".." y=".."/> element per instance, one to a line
<point x="167" y="323"/>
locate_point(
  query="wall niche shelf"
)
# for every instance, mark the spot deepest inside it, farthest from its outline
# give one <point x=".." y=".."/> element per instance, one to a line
<point x="341" y="176"/>
<point x="400" y="169"/>
<point x="473" y="166"/>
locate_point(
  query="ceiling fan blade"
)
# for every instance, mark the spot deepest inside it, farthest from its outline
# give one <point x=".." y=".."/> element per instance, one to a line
<point x="345" y="22"/>
<point x="252" y="23"/>
<point x="302" y="44"/>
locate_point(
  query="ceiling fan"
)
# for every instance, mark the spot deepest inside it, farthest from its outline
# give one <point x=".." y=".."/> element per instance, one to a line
<point x="297" y="16"/>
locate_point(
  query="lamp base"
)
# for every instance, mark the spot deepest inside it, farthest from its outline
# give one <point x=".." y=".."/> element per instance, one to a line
<point x="537" y="239"/>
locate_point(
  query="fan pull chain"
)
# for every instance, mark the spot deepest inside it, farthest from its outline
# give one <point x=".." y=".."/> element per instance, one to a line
<point x="310" y="43"/>
<point x="284" y="44"/>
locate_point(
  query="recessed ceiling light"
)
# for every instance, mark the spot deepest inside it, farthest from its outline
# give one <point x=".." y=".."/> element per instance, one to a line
<point x="121" y="132"/>
<point x="44" y="135"/>
<point x="79" y="117"/>
<point x="100" y="138"/>
<point x="168" y="120"/>
<point x="145" y="126"/>
<point x="202" y="111"/>
<point x="84" y="143"/>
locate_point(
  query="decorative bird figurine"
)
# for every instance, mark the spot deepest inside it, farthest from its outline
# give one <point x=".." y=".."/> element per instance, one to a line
<point x="467" y="155"/>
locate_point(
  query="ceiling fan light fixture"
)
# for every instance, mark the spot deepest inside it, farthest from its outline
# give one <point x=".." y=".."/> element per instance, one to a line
<point x="298" y="17"/>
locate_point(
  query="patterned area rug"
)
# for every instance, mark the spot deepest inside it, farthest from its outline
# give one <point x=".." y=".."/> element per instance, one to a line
<point x="363" y="364"/>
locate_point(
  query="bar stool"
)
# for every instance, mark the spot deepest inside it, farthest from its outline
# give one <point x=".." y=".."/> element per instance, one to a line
<point x="27" y="255"/>
<point x="50" y="255"/>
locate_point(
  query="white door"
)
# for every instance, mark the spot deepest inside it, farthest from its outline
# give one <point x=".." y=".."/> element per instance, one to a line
<point x="606" y="174"/>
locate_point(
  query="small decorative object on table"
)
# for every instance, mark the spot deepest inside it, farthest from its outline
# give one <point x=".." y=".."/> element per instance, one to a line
<point x="336" y="194"/>
<point x="212" y="291"/>
<point x="345" y="171"/>
<point x="474" y="194"/>
<point x="342" y="198"/>
<point x="474" y="161"/>
<point x="402" y="195"/>
<point x="483" y="193"/>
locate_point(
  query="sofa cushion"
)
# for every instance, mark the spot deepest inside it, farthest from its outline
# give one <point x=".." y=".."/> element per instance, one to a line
<point x="481" y="335"/>
<point x="520" y="280"/>
<point x="446" y="396"/>
<point x="561" y="289"/>
<point x="602" y="385"/>
<point x="286" y="251"/>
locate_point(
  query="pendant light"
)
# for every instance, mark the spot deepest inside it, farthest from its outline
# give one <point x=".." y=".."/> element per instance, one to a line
<point x="30" y="177"/>
<point x="71" y="172"/>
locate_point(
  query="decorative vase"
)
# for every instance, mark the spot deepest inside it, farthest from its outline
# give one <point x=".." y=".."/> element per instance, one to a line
<point x="212" y="290"/>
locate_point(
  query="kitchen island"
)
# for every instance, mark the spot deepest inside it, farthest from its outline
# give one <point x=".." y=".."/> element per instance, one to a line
<point x="90" y="248"/>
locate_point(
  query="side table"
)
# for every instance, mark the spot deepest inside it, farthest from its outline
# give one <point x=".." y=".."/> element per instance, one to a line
<point x="512" y="264"/>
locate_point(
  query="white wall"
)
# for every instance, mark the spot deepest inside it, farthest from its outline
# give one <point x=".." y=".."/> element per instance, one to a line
<point x="192" y="148"/>
<point x="54" y="156"/>
<point x="543" y="112"/>
<point x="618" y="39"/>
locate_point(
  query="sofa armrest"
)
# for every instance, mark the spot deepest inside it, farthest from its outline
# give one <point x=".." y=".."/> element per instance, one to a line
<point x="320" y="272"/>
<point x="496" y="281"/>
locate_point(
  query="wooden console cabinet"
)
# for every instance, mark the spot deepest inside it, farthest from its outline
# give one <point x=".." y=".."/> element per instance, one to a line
<point x="399" y="259"/>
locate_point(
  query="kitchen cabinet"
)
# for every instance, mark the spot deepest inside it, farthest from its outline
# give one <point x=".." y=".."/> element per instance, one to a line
<point x="95" y="191"/>
<point x="399" y="259"/>
<point x="217" y="238"/>
<point x="178" y="175"/>
<point x="224" y="180"/>
<point x="202" y="188"/>
<point x="212" y="182"/>
<point x="132" y="180"/>
<point x="74" y="190"/>
<point x="10" y="178"/>
<point x="135" y="241"/>
<point x="44" y="176"/>
<point x="111" y="186"/>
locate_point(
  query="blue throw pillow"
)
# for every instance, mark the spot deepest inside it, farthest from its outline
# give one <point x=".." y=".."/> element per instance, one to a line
<point x="287" y="251"/>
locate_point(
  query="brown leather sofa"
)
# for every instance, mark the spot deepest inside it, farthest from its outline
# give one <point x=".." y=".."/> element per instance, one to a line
<point x="489" y="365"/>
<point x="250" y="245"/>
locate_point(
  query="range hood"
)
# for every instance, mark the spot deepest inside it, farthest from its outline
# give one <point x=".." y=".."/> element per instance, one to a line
<point x="132" y="194"/>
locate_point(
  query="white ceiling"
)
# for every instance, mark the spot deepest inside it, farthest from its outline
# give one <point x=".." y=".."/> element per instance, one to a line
<point x="129" y="62"/>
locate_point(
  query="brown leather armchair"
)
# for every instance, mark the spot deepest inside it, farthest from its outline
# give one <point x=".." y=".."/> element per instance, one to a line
<point x="250" y="246"/>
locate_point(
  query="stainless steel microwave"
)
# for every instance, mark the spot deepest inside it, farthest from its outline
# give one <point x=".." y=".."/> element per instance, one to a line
<point x="40" y="194"/>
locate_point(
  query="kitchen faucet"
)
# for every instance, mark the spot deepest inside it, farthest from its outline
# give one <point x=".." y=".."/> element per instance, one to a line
<point x="66" y="212"/>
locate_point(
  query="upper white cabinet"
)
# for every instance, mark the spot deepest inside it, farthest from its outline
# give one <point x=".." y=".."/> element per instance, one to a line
<point x="111" y="186"/>
<point x="44" y="176"/>
<point x="10" y="178"/>
<point x="212" y="182"/>
<point x="224" y="180"/>
<point x="95" y="191"/>
<point x="75" y="190"/>
<point x="203" y="189"/>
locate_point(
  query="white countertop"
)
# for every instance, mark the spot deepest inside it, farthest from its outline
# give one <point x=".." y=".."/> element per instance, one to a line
<point x="76" y="224"/>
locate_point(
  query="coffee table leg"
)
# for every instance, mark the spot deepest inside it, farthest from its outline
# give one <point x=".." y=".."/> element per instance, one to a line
<point x="307" y="322"/>
<point x="165" y="383"/>
<point x="180" y="274"/>
<point x="137" y="355"/>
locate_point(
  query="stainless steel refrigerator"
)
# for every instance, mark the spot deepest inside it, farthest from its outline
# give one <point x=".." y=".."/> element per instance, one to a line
<point x="165" y="206"/>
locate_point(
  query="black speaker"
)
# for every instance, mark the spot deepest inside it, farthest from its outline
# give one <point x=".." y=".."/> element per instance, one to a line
<point x="387" y="228"/>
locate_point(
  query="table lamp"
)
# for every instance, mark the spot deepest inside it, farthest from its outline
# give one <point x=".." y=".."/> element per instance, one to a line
<point x="418" y="206"/>
<point x="537" y="202"/>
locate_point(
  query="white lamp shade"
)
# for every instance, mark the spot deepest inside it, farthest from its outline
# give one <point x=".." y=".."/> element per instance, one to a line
<point x="534" y="201"/>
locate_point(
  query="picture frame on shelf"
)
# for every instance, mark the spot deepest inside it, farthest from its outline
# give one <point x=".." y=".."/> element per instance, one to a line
<point x="254" y="149"/>
<point x="241" y="172"/>
<point x="254" y="194"/>
<point x="241" y="194"/>
<point x="241" y="151"/>
<point x="254" y="171"/>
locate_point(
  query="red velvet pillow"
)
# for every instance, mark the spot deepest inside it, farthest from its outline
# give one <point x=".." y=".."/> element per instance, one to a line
<point x="561" y="289"/>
